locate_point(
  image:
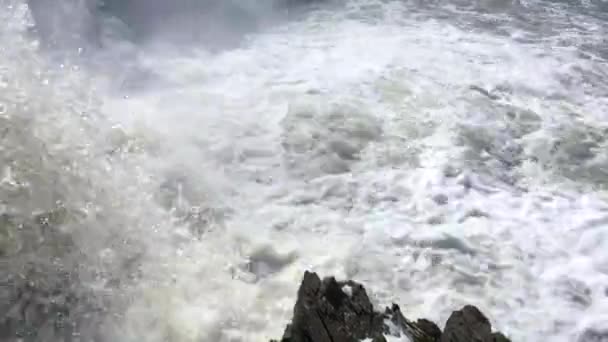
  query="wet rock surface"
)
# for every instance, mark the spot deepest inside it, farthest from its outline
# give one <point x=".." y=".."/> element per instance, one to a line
<point x="333" y="311"/>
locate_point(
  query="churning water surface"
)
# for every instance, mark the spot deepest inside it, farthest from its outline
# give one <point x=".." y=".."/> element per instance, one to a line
<point x="176" y="176"/>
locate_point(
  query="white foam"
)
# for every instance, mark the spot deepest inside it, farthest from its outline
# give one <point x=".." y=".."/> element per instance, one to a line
<point x="216" y="124"/>
<point x="415" y="83"/>
<point x="348" y="290"/>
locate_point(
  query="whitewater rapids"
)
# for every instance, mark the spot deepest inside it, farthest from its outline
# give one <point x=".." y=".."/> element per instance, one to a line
<point x="442" y="153"/>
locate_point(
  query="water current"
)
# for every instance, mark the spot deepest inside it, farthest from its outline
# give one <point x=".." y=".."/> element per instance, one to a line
<point x="168" y="172"/>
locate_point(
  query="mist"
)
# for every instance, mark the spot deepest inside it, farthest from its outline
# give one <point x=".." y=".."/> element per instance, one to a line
<point x="214" y="24"/>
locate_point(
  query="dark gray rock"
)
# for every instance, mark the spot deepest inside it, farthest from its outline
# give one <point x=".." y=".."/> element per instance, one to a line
<point x="430" y="328"/>
<point x="422" y="330"/>
<point x="333" y="311"/>
<point x="325" y="313"/>
<point x="469" y="325"/>
<point x="499" y="337"/>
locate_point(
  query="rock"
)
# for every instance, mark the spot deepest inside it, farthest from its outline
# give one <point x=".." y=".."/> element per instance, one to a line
<point x="421" y="331"/>
<point x="430" y="328"/>
<point x="467" y="325"/>
<point x="499" y="337"/>
<point x="325" y="313"/>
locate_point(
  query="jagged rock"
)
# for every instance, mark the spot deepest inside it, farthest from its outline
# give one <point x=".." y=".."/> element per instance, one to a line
<point x="467" y="325"/>
<point x="422" y="330"/>
<point x="325" y="313"/>
<point x="470" y="325"/>
<point x="333" y="311"/>
<point x="430" y="328"/>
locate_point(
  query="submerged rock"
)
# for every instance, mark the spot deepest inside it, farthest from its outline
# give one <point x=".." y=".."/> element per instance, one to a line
<point x="332" y="311"/>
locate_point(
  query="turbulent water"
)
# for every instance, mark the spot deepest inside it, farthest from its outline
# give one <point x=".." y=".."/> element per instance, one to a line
<point x="170" y="177"/>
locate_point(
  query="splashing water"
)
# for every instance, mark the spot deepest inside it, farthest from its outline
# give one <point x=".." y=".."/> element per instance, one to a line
<point x="442" y="153"/>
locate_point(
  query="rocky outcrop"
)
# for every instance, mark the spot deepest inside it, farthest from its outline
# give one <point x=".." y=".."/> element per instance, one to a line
<point x="469" y="324"/>
<point x="332" y="311"/>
